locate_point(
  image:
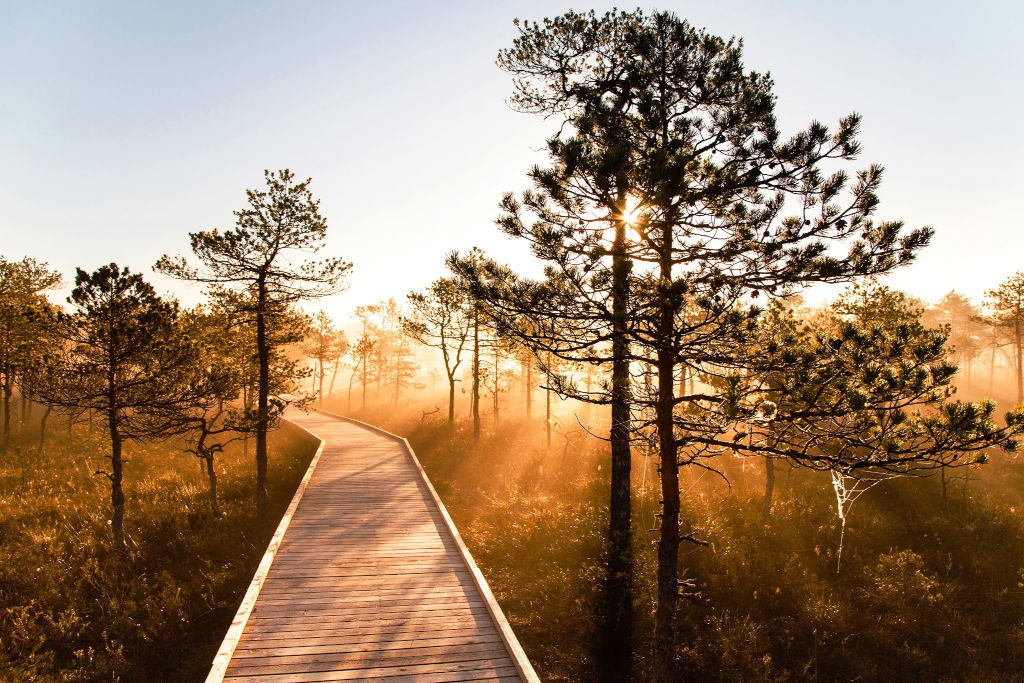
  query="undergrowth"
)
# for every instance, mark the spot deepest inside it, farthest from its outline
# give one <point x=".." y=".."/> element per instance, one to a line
<point x="930" y="589"/>
<point x="73" y="609"/>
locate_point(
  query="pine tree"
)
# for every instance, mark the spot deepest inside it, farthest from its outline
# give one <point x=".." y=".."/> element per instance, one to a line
<point x="25" y="315"/>
<point x="258" y="257"/>
<point x="671" y="137"/>
<point x="440" y="318"/>
<point x="1005" y="304"/>
<point x="125" y="360"/>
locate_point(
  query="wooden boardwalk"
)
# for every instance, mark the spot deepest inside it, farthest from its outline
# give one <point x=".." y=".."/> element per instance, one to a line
<point x="366" y="578"/>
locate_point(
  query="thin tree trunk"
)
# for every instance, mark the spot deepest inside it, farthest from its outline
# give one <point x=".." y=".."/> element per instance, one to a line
<point x="547" y="407"/>
<point x="365" y="356"/>
<point x="211" y="475"/>
<point x="1018" y="342"/>
<point x="476" y="372"/>
<point x="769" y="487"/>
<point x="495" y="386"/>
<point x="334" y="374"/>
<point x="7" y="410"/>
<point x="262" y="405"/>
<point x="42" y="431"/>
<point x="992" y="365"/>
<point x="116" y="475"/>
<point x="529" y="387"/>
<point x="398" y="375"/>
<point x="351" y="378"/>
<point x="451" y="399"/>
<point x="668" y="542"/>
<point x="321" y="384"/>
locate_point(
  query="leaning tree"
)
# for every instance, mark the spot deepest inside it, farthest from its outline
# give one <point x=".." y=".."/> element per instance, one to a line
<point x="264" y="257"/>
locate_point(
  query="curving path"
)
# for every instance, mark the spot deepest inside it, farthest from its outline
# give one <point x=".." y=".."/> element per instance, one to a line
<point x="367" y="578"/>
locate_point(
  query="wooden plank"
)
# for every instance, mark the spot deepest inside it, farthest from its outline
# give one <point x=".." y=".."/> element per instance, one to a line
<point x="371" y="580"/>
<point x="227" y="647"/>
<point x="507" y="673"/>
<point x="373" y="657"/>
<point x="284" y="675"/>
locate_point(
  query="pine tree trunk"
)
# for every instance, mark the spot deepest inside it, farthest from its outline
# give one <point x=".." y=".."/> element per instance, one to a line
<point x="116" y="475"/>
<point x="262" y="399"/>
<point x="476" y="372"/>
<point x="211" y="475"/>
<point x="992" y="366"/>
<point x="42" y="431"/>
<point x="668" y="542"/>
<point x="617" y="643"/>
<point x="451" y="399"/>
<point x="321" y="384"/>
<point x="547" y="415"/>
<point x="495" y="387"/>
<point x="334" y="375"/>
<point x="365" y="355"/>
<point x="1018" y="343"/>
<point x="351" y="379"/>
<point x="769" y="488"/>
<point x="529" y="388"/>
<point x="6" y="443"/>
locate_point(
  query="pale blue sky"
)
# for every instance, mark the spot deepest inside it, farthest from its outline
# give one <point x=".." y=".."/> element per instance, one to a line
<point x="125" y="125"/>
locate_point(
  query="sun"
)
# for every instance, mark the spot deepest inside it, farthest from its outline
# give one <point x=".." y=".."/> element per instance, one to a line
<point x="631" y="214"/>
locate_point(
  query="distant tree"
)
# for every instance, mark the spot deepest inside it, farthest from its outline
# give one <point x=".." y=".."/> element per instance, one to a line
<point x="25" y="321"/>
<point x="440" y="318"/>
<point x="258" y="257"/>
<point x="496" y="377"/>
<point x="124" y="360"/>
<point x="367" y="346"/>
<point x="324" y="345"/>
<point x="404" y="367"/>
<point x="871" y="303"/>
<point x="966" y="328"/>
<point x="1005" y="306"/>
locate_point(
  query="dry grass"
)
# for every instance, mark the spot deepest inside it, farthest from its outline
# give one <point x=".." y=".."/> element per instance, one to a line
<point x="71" y="609"/>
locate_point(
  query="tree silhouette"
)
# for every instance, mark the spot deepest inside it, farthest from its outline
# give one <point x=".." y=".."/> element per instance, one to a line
<point x="440" y="318"/>
<point x="324" y="345"/>
<point x="125" y="360"/>
<point x="25" y="315"/>
<point x="1005" y="304"/>
<point x="213" y="418"/>
<point x="263" y="256"/>
<point x="670" y="135"/>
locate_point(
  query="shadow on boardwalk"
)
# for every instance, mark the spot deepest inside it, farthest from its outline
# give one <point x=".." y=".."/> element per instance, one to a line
<point x="367" y="578"/>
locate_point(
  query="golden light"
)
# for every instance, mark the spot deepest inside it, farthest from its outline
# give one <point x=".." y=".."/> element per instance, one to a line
<point x="631" y="214"/>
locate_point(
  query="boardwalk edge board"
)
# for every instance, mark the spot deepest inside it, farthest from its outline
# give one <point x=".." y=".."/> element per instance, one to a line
<point x="230" y="642"/>
<point x="508" y="637"/>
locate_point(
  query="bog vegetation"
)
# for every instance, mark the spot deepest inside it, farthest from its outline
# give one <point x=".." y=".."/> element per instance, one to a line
<point x="668" y="465"/>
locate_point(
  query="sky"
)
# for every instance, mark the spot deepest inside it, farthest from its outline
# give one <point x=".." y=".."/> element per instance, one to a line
<point x="124" y="126"/>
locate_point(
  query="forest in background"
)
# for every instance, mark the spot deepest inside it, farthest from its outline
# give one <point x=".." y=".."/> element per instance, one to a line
<point x="821" y="502"/>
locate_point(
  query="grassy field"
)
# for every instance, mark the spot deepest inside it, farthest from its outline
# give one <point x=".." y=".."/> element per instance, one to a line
<point x="71" y="609"/>
<point x="929" y="590"/>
